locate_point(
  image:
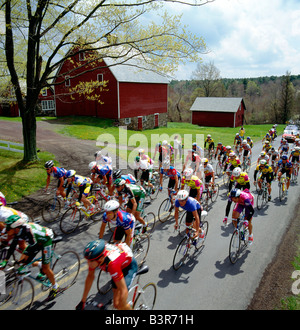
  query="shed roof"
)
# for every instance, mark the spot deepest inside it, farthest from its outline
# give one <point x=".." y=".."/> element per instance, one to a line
<point x="217" y="104"/>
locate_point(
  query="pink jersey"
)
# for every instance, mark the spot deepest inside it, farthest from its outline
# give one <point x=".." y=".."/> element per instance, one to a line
<point x="246" y="198"/>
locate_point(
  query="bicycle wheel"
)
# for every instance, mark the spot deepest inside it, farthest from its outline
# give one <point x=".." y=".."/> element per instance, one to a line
<point x="204" y="200"/>
<point x="66" y="269"/>
<point x="141" y="247"/>
<point x="97" y="216"/>
<point x="103" y="282"/>
<point x="260" y="200"/>
<point x="215" y="193"/>
<point x="149" y="218"/>
<point x="281" y="193"/>
<point x="181" y="253"/>
<point x="234" y="247"/>
<point x="19" y="294"/>
<point x="165" y="210"/>
<point x="70" y="220"/>
<point x="200" y="241"/>
<point x="146" y="299"/>
<point x="181" y="230"/>
<point x="219" y="169"/>
<point x="51" y="210"/>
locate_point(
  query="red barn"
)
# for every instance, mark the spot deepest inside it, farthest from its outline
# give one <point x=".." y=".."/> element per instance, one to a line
<point x="133" y="96"/>
<point x="218" y="111"/>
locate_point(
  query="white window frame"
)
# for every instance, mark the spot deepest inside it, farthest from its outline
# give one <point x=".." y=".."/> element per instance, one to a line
<point x="82" y="56"/>
<point x="127" y="121"/>
<point x="68" y="81"/>
<point x="48" y="105"/>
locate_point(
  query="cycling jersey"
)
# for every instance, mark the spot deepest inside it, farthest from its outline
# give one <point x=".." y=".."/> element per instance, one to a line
<point x="103" y="170"/>
<point x="81" y="180"/>
<point x="117" y="258"/>
<point x="171" y="172"/>
<point x="58" y="172"/>
<point x="123" y="219"/>
<point x="194" y="182"/>
<point x="234" y="162"/>
<point x="131" y="191"/>
<point x="191" y="205"/>
<point x="129" y="178"/>
<point x="208" y="170"/>
<point x="287" y="165"/>
<point x="265" y="170"/>
<point x="295" y="153"/>
<point x="245" y="202"/>
<point x="39" y="239"/>
<point x="242" y="179"/>
<point x="210" y="142"/>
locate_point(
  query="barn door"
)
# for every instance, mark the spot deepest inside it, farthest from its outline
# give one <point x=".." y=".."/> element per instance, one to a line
<point x="140" y="123"/>
<point x="156" y="120"/>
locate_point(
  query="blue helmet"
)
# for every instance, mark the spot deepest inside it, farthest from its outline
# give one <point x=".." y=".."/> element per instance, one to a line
<point x="94" y="249"/>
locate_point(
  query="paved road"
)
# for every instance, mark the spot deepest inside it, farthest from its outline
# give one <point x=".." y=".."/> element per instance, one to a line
<point x="208" y="281"/>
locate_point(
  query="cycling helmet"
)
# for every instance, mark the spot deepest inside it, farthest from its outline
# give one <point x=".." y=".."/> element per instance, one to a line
<point x="94" y="249"/>
<point x="92" y="165"/>
<point x="111" y="205"/>
<point x="208" y="135"/>
<point x="117" y="174"/>
<point x="137" y="159"/>
<point x="244" y="142"/>
<point x="263" y="153"/>
<point x="235" y="193"/>
<point x="232" y="154"/>
<point x="70" y="173"/>
<point x="262" y="162"/>
<point x="165" y="142"/>
<point x="205" y="160"/>
<point x="182" y="195"/>
<point x="14" y="221"/>
<point x="228" y="147"/>
<point x="49" y="164"/>
<point x="284" y="157"/>
<point x="166" y="164"/>
<point x="297" y="148"/>
<point x="141" y="151"/>
<point x="2" y="199"/>
<point x="237" y="172"/>
<point x="188" y="173"/>
<point x="119" y="182"/>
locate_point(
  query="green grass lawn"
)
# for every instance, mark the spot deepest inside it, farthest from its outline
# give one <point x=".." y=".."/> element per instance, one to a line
<point x="18" y="180"/>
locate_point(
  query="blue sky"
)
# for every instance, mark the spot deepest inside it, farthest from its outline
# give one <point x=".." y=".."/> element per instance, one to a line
<point x="246" y="38"/>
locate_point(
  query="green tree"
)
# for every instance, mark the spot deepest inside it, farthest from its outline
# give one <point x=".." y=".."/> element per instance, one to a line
<point x="287" y="97"/>
<point x="40" y="33"/>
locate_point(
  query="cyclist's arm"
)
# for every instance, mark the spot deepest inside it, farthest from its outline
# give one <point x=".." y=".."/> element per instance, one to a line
<point x="48" y="181"/>
<point x="176" y="216"/>
<point x="128" y="236"/>
<point x="88" y="284"/>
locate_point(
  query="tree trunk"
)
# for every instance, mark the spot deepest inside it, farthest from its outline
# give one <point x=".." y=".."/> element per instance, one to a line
<point x="29" y="136"/>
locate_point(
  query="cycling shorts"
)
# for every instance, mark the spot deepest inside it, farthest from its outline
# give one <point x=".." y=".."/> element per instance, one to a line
<point x="32" y="250"/>
<point x="129" y="273"/>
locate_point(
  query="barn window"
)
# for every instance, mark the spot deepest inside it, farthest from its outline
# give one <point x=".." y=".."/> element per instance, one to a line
<point x="81" y="56"/>
<point x="127" y="121"/>
<point x="68" y="81"/>
<point x="47" y="105"/>
<point x="44" y="92"/>
<point x="100" y="77"/>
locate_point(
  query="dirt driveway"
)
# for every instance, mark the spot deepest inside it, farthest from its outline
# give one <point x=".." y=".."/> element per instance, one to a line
<point x="72" y="153"/>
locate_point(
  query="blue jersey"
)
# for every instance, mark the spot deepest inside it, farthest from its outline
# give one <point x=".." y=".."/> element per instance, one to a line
<point x="103" y="170"/>
<point x="124" y="219"/>
<point x="191" y="205"/>
<point x="286" y="165"/>
<point x="58" y="172"/>
<point x="171" y="172"/>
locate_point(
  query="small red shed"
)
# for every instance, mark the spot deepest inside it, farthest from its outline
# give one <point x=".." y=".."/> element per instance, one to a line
<point x="218" y="111"/>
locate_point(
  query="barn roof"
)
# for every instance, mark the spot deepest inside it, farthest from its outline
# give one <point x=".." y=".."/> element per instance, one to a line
<point x="134" y="71"/>
<point x="217" y="104"/>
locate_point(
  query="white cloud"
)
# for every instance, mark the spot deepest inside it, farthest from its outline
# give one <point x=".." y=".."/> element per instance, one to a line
<point x="248" y="38"/>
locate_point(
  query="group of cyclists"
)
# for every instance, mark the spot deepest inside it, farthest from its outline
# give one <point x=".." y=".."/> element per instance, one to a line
<point x="126" y="200"/>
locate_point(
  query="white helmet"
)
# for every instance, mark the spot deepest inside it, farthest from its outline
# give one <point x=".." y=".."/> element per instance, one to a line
<point x="262" y="162"/>
<point x="165" y="142"/>
<point x="166" y="164"/>
<point x="111" y="205"/>
<point x="92" y="164"/>
<point x="188" y="173"/>
<point x="182" y="195"/>
<point x="237" y="171"/>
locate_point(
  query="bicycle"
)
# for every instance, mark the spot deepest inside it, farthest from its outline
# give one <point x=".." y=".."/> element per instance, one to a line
<point x="140" y="249"/>
<point x="219" y="168"/>
<point x="262" y="197"/>
<point x="166" y="208"/>
<point x="282" y="187"/>
<point x="140" y="298"/>
<point x="239" y="239"/>
<point x="155" y="183"/>
<point x="73" y="216"/>
<point x="246" y="164"/>
<point x="211" y="192"/>
<point x="20" y="290"/>
<point x="183" y="248"/>
<point x="295" y="171"/>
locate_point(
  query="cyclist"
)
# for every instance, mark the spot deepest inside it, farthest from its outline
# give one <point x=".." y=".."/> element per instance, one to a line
<point x="247" y="152"/>
<point x="232" y="162"/>
<point x="195" y="184"/>
<point x="102" y="160"/>
<point x="209" y="172"/>
<point x="135" y="195"/>
<point x="244" y="201"/>
<point x="284" y="166"/>
<point x="118" y="261"/>
<point x="58" y="173"/>
<point x="295" y="158"/>
<point x="129" y="178"/>
<point x="249" y="141"/>
<point x="145" y="165"/>
<point x="162" y="154"/>
<point x="169" y="149"/>
<point x="39" y="239"/>
<point x="194" y="161"/>
<point x="197" y="149"/>
<point x="211" y="144"/>
<point x="238" y="180"/>
<point x="220" y="151"/>
<point x="84" y="186"/>
<point x="274" y="156"/>
<point x="284" y="147"/>
<point x="266" y="173"/>
<point x="263" y="156"/>
<point x="104" y="173"/>
<point x="193" y="215"/>
<point x="266" y="138"/>
<point x="124" y="221"/>
<point x="172" y="174"/>
<point x="267" y="146"/>
<point x="237" y="142"/>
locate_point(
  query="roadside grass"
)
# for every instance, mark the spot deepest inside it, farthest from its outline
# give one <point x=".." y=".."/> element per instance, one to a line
<point x="18" y="180"/>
